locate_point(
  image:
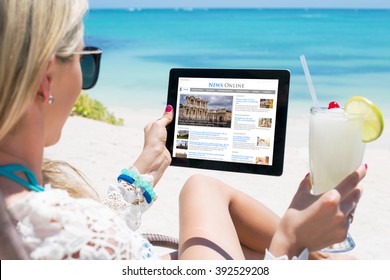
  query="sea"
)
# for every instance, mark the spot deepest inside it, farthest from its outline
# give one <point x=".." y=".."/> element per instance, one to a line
<point x="347" y="51"/>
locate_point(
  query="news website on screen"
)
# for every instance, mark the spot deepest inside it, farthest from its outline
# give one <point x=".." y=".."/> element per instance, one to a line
<point x="229" y="120"/>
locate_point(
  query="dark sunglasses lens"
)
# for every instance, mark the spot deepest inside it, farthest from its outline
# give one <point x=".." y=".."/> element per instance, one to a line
<point x="89" y="70"/>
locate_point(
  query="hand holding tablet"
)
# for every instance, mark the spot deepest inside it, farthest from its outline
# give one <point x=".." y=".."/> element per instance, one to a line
<point x="228" y="119"/>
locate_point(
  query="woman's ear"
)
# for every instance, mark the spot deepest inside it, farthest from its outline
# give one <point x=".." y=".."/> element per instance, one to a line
<point x="44" y="90"/>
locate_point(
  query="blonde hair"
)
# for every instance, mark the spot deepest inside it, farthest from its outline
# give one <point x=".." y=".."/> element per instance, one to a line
<point x="62" y="175"/>
<point x="31" y="33"/>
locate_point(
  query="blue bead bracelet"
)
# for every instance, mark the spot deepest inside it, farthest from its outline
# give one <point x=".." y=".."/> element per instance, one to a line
<point x="134" y="178"/>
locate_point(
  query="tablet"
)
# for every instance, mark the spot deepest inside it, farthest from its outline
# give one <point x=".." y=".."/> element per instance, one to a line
<point x="228" y="119"/>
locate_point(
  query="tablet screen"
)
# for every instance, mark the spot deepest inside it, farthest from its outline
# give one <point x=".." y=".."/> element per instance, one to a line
<point x="228" y="119"/>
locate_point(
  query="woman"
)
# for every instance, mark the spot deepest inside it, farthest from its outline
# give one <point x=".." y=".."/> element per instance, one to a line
<point x="41" y="47"/>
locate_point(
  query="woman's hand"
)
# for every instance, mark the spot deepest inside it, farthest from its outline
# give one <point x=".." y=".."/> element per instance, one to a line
<point x="317" y="221"/>
<point x="155" y="158"/>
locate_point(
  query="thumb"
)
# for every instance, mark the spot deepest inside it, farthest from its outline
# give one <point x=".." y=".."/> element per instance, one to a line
<point x="167" y="116"/>
<point x="305" y="185"/>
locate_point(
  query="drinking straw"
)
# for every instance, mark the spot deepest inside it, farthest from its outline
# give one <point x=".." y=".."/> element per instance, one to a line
<point x="309" y="81"/>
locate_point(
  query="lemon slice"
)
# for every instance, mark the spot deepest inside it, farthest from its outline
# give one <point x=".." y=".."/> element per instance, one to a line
<point x="373" y="120"/>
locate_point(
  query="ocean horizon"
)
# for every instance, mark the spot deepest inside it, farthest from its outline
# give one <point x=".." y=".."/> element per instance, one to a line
<point x="347" y="50"/>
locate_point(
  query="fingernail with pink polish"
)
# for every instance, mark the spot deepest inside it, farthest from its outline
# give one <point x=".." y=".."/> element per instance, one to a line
<point x="366" y="166"/>
<point x="168" y="108"/>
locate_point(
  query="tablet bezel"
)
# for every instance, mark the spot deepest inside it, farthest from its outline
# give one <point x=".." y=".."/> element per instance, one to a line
<point x="283" y="76"/>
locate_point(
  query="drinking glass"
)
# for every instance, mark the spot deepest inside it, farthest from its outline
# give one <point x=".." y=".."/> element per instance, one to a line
<point x="335" y="150"/>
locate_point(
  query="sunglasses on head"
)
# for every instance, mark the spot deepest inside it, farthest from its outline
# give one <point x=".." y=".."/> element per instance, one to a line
<point x="90" y="65"/>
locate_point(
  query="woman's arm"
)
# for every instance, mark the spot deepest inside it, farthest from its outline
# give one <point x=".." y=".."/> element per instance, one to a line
<point x="155" y="158"/>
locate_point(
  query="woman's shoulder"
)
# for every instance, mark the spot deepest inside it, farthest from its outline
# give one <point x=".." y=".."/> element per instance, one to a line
<point x="56" y="206"/>
<point x="49" y="200"/>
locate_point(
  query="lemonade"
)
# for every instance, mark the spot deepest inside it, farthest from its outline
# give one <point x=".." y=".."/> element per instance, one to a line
<point x="335" y="146"/>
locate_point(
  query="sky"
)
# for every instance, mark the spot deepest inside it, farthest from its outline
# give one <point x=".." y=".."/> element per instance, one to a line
<point x="371" y="4"/>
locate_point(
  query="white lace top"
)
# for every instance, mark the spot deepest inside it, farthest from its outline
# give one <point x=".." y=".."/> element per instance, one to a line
<point x="54" y="225"/>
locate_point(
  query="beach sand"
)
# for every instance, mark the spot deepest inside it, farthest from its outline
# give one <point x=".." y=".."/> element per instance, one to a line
<point x="100" y="151"/>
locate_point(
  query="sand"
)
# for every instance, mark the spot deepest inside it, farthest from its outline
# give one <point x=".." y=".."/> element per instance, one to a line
<point x="100" y="151"/>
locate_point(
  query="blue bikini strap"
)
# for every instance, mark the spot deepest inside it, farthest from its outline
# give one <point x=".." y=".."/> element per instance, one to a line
<point x="10" y="170"/>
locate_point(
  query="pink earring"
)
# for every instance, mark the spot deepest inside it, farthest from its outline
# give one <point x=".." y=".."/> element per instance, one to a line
<point x="51" y="99"/>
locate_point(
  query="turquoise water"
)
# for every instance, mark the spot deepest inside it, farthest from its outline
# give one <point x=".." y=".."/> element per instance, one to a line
<point x="348" y="51"/>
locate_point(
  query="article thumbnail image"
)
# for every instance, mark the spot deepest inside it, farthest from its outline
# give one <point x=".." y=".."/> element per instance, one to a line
<point x="263" y="141"/>
<point x="266" y="103"/>
<point x="182" y="134"/>
<point x="182" y="144"/>
<point x="262" y="160"/>
<point x="265" y="122"/>
<point x="206" y="110"/>
<point x="181" y="153"/>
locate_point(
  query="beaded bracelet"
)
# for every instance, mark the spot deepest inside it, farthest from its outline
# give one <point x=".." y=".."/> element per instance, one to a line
<point x="141" y="181"/>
